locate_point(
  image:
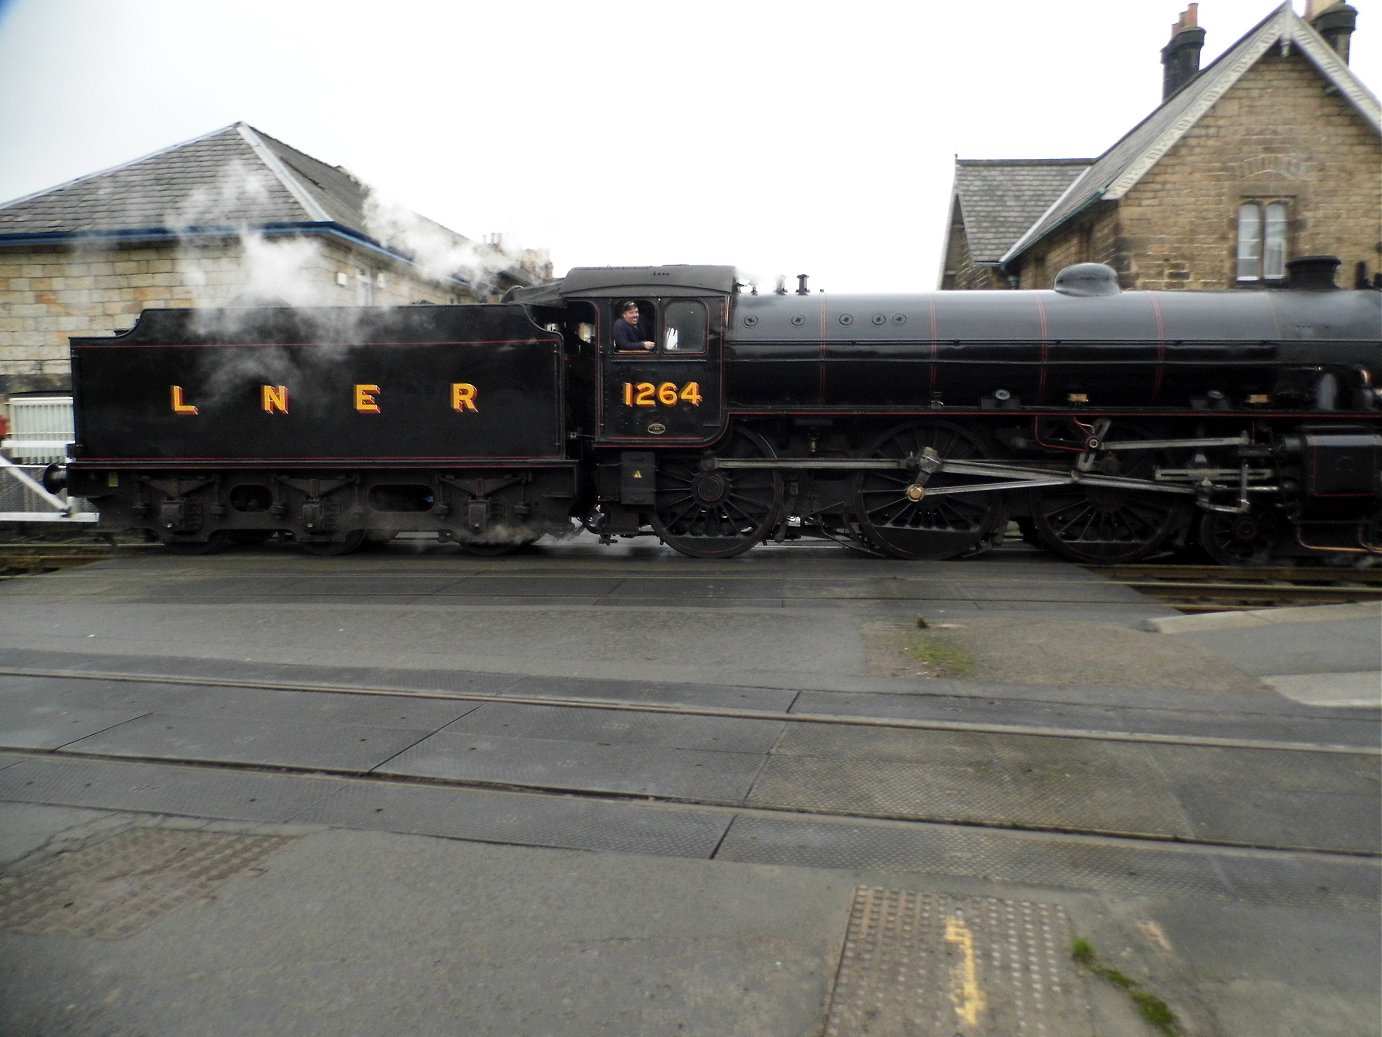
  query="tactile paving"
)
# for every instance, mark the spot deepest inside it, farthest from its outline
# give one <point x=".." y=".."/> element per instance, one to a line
<point x="115" y="887"/>
<point x="925" y="965"/>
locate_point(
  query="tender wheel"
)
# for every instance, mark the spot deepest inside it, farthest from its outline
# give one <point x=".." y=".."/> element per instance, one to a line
<point x="251" y="536"/>
<point x="720" y="512"/>
<point x="493" y="546"/>
<point x="1249" y="539"/>
<point x="214" y="542"/>
<point x="351" y="541"/>
<point x="1371" y="535"/>
<point x="377" y="538"/>
<point x="1102" y="525"/>
<point x="490" y="548"/>
<point x="932" y="526"/>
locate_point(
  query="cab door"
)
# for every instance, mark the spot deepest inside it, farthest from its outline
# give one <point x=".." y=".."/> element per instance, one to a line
<point x="672" y="391"/>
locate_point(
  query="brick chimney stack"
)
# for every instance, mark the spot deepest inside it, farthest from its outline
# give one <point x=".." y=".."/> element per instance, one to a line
<point x="1335" y="21"/>
<point x="1181" y="57"/>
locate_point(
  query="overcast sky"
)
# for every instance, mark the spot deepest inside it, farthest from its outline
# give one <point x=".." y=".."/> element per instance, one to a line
<point x="782" y="138"/>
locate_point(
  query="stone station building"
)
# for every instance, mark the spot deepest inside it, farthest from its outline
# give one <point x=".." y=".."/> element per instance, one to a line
<point x="1271" y="153"/>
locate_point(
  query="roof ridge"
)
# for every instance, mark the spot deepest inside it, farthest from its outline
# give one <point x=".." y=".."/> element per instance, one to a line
<point x="301" y="194"/>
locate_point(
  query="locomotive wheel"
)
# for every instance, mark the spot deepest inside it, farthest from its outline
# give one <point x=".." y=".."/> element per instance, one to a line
<point x="1370" y="536"/>
<point x="509" y="539"/>
<point x="495" y="548"/>
<point x="352" y="541"/>
<point x="1102" y="525"/>
<point x="932" y="527"/>
<point x="1249" y="539"/>
<point x="721" y="512"/>
<point x="377" y="538"/>
<point x="214" y="542"/>
<point x="487" y="549"/>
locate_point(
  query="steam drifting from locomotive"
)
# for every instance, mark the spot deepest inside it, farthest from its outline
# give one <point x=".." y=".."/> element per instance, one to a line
<point x="435" y="251"/>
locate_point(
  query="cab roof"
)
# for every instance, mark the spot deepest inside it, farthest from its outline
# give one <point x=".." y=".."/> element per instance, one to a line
<point x="584" y="282"/>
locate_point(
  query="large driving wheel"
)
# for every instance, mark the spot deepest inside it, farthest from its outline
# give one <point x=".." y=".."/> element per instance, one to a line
<point x="711" y="512"/>
<point x="940" y="526"/>
<point x="1104" y="525"/>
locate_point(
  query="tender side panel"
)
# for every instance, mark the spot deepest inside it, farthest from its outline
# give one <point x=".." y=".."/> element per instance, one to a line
<point x="445" y="385"/>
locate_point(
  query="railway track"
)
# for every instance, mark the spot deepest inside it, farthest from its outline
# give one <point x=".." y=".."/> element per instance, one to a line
<point x="1217" y="588"/>
<point x="30" y="558"/>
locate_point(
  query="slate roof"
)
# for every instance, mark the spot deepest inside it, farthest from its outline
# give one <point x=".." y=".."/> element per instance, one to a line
<point x="999" y="199"/>
<point x="231" y="178"/>
<point x="1120" y="168"/>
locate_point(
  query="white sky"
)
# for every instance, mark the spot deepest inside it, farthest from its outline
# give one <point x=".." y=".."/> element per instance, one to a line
<point x="780" y="137"/>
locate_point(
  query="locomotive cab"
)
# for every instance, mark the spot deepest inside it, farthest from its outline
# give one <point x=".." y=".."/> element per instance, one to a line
<point x="664" y="385"/>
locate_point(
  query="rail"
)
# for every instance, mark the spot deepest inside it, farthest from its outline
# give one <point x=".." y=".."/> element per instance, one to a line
<point x="1217" y="588"/>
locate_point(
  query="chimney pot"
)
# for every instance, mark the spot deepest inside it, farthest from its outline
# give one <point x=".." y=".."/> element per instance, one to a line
<point x="1334" y="21"/>
<point x="1181" y="57"/>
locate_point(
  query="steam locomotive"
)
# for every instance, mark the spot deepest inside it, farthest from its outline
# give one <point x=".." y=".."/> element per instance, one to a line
<point x="1109" y="425"/>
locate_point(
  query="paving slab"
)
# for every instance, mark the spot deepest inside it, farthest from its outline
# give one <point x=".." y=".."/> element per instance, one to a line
<point x="267" y="743"/>
<point x="559" y="763"/>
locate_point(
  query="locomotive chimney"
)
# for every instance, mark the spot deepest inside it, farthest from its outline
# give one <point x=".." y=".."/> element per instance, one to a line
<point x="1314" y="272"/>
<point x="801" y="284"/>
<point x="1335" y="21"/>
<point x="1181" y="57"/>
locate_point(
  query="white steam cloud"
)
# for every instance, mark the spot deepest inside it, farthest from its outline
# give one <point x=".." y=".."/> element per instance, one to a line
<point x="436" y="252"/>
<point x="262" y="270"/>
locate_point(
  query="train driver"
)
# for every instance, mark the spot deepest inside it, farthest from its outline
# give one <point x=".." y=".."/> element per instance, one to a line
<point x="630" y="333"/>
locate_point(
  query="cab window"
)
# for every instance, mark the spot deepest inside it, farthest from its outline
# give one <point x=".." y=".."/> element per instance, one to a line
<point x="684" y="327"/>
<point x="634" y="327"/>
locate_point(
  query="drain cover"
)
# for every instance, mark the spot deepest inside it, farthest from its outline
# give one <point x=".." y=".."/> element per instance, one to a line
<point x="922" y="965"/>
<point x="117" y="886"/>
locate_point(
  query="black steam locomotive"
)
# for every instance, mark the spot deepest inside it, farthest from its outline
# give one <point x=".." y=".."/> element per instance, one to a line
<point x="1109" y="425"/>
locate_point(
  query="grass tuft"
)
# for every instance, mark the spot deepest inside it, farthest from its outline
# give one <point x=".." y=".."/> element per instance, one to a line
<point x="1152" y="1009"/>
<point x="939" y="656"/>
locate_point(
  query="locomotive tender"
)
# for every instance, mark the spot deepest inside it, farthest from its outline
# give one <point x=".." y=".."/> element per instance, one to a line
<point x="1108" y="424"/>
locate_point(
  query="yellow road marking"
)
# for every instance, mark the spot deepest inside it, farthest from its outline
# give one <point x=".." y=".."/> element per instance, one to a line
<point x="965" y="994"/>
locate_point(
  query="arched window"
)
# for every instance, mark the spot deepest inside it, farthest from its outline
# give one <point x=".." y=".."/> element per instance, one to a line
<point x="1262" y="238"/>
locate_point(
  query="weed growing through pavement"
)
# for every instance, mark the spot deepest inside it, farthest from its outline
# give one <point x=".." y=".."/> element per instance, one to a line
<point x="1149" y="1006"/>
<point x="939" y="657"/>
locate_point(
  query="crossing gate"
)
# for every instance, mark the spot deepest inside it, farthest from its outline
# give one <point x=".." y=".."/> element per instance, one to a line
<point x="39" y="434"/>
